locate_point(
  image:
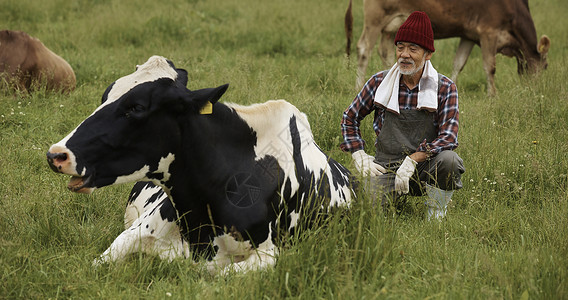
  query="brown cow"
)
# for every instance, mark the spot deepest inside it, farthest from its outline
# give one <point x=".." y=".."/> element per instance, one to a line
<point x="497" y="26"/>
<point x="26" y="61"/>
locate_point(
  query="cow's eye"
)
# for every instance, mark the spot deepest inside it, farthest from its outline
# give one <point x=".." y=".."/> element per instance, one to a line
<point x="134" y="109"/>
<point x="137" y="108"/>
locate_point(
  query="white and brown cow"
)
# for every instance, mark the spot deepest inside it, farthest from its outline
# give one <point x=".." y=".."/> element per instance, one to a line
<point x="239" y="177"/>
<point x="497" y="26"/>
<point x="26" y="61"/>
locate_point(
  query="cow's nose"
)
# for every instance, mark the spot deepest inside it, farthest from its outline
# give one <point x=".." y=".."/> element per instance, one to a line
<point x="57" y="160"/>
<point x="62" y="160"/>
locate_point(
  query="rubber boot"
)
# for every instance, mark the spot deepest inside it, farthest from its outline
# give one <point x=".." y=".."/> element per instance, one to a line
<point x="437" y="202"/>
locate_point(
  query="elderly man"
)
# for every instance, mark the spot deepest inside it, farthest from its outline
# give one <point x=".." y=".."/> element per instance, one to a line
<point x="416" y="123"/>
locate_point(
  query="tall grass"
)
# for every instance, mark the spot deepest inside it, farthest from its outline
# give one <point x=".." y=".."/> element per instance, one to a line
<point x="506" y="233"/>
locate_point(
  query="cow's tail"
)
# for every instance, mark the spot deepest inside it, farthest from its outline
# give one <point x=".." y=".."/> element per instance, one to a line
<point x="349" y="27"/>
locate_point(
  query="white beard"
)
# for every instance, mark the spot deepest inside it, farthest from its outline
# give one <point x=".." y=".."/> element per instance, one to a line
<point x="414" y="68"/>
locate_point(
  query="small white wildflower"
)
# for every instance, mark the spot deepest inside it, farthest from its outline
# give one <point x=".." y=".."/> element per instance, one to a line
<point x="168" y="294"/>
<point x="471" y="180"/>
<point x="502" y="174"/>
<point x="61" y="105"/>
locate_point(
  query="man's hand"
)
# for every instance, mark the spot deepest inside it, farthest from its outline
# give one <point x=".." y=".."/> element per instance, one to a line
<point x="403" y="174"/>
<point x="366" y="165"/>
<point x="419" y="156"/>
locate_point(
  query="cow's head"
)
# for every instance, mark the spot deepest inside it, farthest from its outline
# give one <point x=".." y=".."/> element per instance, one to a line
<point x="531" y="58"/>
<point x="134" y="133"/>
<point x="537" y="61"/>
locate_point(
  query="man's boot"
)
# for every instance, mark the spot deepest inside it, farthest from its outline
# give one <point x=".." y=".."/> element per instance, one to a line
<point x="437" y="202"/>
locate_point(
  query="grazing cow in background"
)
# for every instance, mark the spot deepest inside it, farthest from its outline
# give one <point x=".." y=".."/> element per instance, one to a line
<point x="239" y="177"/>
<point x="26" y="61"/>
<point x="497" y="26"/>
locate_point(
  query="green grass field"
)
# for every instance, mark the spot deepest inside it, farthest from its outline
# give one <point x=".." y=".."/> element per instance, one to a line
<point x="506" y="234"/>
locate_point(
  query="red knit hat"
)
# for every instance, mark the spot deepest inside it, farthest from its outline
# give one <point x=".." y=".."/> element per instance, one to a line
<point x="416" y="29"/>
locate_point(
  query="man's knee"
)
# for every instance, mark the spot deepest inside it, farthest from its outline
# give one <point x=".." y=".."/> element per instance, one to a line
<point x="448" y="167"/>
<point x="449" y="162"/>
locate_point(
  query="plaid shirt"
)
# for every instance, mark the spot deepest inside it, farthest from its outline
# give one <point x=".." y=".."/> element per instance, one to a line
<point x="446" y="121"/>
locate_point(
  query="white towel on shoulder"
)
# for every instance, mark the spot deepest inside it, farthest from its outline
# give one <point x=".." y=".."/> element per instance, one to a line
<point x="387" y="92"/>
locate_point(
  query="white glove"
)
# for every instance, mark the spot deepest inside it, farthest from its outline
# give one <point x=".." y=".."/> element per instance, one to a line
<point x="403" y="175"/>
<point x="366" y="165"/>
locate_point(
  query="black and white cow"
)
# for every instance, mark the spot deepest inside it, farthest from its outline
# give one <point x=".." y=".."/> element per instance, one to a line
<point x="238" y="177"/>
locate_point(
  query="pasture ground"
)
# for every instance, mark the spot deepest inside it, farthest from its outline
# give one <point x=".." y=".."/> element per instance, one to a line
<point x="506" y="235"/>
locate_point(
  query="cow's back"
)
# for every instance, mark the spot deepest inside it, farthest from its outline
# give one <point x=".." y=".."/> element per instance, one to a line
<point x="450" y="18"/>
<point x="57" y="71"/>
<point x="13" y="50"/>
<point x="25" y="60"/>
<point x="286" y="135"/>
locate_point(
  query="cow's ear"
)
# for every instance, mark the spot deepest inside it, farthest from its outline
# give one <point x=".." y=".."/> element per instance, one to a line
<point x="182" y="76"/>
<point x="105" y="94"/>
<point x="210" y="94"/>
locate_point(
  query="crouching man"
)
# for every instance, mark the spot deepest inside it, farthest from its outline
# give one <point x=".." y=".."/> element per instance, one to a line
<point x="416" y="120"/>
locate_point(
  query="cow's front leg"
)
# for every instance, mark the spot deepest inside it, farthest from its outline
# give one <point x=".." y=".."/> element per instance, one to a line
<point x="155" y="232"/>
<point x="126" y="243"/>
<point x="239" y="256"/>
<point x="462" y="54"/>
<point x="260" y="258"/>
<point x="365" y="47"/>
<point x="488" y="44"/>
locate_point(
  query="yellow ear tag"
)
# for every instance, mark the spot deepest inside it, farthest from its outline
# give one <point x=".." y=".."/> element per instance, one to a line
<point x="207" y="109"/>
